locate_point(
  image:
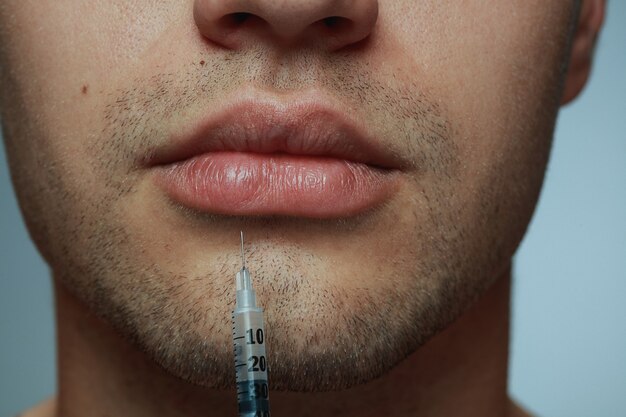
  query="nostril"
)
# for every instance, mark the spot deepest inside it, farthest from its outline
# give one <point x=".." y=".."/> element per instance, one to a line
<point x="335" y="21"/>
<point x="331" y="21"/>
<point x="239" y="17"/>
<point x="234" y="21"/>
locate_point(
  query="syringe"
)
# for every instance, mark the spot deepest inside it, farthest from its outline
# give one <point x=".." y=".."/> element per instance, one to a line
<point x="249" y="340"/>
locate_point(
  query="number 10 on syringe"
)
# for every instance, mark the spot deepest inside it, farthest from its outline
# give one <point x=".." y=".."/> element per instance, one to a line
<point x="249" y="341"/>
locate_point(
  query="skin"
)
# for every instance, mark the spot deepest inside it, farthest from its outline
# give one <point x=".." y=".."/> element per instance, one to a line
<point x="406" y="306"/>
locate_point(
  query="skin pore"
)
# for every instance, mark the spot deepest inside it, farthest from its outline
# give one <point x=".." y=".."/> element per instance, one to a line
<point x="468" y="93"/>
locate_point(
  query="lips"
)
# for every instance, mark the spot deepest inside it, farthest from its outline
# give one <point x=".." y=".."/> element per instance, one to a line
<point x="262" y="157"/>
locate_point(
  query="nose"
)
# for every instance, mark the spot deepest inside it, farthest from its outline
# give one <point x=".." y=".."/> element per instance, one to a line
<point x="330" y="24"/>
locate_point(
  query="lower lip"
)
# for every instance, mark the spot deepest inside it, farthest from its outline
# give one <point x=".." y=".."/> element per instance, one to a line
<point x="243" y="183"/>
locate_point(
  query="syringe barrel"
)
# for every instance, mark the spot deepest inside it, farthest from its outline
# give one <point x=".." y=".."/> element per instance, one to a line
<point x="251" y="362"/>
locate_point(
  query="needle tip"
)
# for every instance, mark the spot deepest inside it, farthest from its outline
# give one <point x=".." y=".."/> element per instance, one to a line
<point x="243" y="259"/>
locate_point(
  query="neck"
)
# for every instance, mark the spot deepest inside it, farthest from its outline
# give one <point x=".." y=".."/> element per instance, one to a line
<point x="462" y="371"/>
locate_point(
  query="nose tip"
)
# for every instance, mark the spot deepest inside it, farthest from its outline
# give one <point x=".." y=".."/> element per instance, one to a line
<point x="331" y="24"/>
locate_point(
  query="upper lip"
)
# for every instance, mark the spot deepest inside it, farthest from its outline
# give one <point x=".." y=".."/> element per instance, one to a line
<point x="261" y="123"/>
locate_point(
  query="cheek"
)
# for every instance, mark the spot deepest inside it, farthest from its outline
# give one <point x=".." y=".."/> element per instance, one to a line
<point x="503" y="91"/>
<point x="68" y="56"/>
<point x="497" y="68"/>
<point x="61" y="61"/>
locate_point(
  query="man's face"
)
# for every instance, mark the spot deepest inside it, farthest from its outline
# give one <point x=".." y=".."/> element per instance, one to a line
<point x="466" y="91"/>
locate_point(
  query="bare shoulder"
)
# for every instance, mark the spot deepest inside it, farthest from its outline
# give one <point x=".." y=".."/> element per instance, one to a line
<point x="46" y="408"/>
<point x="515" y="410"/>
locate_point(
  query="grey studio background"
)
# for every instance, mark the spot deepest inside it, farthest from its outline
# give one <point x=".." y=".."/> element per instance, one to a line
<point x="568" y="347"/>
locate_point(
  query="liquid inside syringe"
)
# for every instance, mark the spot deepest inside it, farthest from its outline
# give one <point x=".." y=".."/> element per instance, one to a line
<point x="249" y="342"/>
